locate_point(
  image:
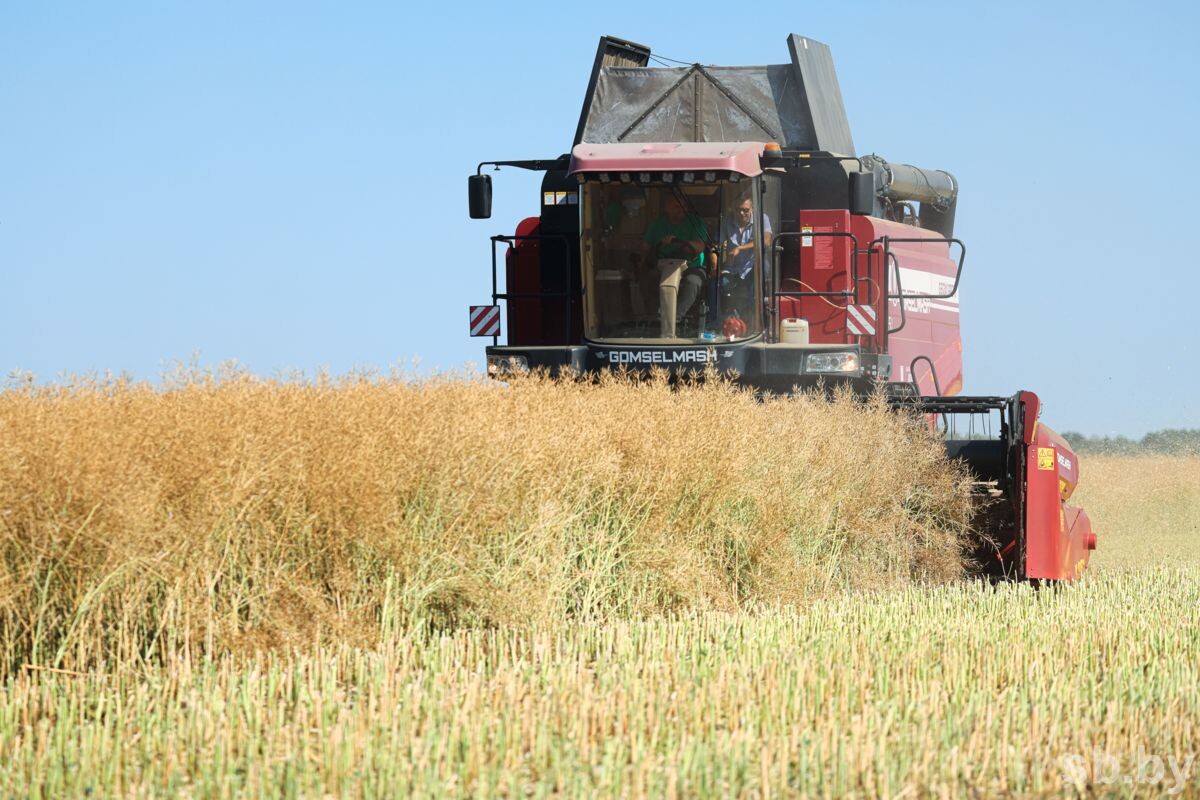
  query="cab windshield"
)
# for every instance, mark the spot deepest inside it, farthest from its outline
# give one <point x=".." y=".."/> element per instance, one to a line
<point x="670" y="263"/>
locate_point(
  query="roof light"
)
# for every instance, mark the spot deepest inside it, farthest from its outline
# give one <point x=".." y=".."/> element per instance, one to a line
<point x="668" y="177"/>
<point x="772" y="150"/>
<point x="689" y="177"/>
<point x="605" y="177"/>
<point x="625" y="178"/>
<point x="710" y="177"/>
<point x="644" y="177"/>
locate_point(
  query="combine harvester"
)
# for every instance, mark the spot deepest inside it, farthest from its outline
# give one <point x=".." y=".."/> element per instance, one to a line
<point x="717" y="217"/>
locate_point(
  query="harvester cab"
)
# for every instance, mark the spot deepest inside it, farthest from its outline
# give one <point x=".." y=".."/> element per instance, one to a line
<point x="711" y="217"/>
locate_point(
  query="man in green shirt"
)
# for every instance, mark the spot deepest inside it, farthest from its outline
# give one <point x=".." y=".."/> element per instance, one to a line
<point x="677" y="239"/>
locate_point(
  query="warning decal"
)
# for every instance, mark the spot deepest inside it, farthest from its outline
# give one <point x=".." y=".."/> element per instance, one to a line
<point x="860" y="320"/>
<point x="1045" y="458"/>
<point x="485" y="320"/>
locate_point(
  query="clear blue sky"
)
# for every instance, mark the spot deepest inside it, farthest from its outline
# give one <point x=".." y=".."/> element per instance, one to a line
<point x="285" y="183"/>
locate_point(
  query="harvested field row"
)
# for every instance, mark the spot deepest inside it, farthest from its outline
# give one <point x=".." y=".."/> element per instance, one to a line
<point x="951" y="691"/>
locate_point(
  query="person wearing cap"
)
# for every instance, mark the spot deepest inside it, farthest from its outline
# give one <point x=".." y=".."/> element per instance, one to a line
<point x="678" y="240"/>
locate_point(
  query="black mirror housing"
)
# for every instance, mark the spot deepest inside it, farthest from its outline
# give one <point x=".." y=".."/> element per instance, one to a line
<point x="479" y="194"/>
<point x="862" y="193"/>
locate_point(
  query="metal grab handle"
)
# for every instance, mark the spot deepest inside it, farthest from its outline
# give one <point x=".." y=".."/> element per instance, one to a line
<point x="962" y="256"/>
<point x="899" y="289"/>
<point x="912" y="370"/>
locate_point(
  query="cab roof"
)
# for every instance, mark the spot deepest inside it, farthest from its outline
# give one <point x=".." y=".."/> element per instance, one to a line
<point x="740" y="157"/>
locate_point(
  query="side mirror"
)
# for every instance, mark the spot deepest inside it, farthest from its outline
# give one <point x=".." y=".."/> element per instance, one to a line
<point x="479" y="194"/>
<point x="862" y="193"/>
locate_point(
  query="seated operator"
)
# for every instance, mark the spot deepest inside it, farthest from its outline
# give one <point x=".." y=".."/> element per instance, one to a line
<point x="737" y="269"/>
<point x="678" y="240"/>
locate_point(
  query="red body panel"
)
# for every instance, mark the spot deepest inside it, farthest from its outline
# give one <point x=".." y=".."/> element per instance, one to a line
<point x="523" y="274"/>
<point x="825" y="266"/>
<point x="930" y="327"/>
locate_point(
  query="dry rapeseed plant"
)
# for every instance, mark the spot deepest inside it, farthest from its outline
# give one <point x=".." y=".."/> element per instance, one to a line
<point x="234" y="512"/>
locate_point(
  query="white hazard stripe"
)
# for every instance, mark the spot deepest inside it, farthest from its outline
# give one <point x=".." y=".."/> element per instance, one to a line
<point x="860" y="320"/>
<point x="485" y="320"/>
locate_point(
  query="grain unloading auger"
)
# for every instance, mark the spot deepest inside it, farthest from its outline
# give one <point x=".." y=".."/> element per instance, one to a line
<point x="717" y="217"/>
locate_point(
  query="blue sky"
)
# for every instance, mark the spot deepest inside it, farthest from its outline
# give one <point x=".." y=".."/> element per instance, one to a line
<point x="284" y="184"/>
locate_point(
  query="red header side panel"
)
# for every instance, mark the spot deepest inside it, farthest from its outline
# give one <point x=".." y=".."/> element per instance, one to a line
<point x="1058" y="537"/>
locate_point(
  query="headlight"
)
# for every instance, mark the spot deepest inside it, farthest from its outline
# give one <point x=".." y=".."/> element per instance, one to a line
<point x="831" y="362"/>
<point x="506" y="365"/>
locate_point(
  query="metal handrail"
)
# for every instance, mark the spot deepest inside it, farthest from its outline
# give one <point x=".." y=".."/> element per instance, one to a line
<point x="851" y="293"/>
<point x="848" y="294"/>
<point x="912" y="370"/>
<point x="506" y="296"/>
<point x="962" y="256"/>
<point x="899" y="288"/>
<point x="937" y="387"/>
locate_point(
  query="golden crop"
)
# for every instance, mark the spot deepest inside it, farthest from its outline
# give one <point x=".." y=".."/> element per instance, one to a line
<point x="235" y="513"/>
<point x="453" y="589"/>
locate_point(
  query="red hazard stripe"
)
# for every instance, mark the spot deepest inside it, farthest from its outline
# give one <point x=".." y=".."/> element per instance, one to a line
<point x="857" y="320"/>
<point x="485" y="320"/>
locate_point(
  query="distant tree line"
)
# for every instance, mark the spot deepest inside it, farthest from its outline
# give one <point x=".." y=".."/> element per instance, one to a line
<point x="1171" y="442"/>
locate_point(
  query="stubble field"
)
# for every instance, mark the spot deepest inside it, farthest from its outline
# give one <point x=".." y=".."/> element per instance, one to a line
<point x="390" y="588"/>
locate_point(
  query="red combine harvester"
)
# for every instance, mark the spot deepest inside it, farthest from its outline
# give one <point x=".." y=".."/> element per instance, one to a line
<point x="717" y="217"/>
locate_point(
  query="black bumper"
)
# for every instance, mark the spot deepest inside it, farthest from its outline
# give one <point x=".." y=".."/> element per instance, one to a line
<point x="773" y="367"/>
